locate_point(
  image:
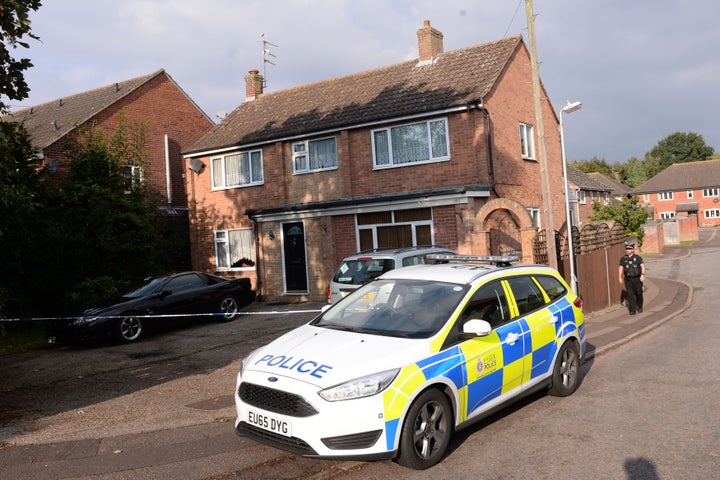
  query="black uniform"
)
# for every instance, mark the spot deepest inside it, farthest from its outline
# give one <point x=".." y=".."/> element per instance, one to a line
<point x="632" y="269"/>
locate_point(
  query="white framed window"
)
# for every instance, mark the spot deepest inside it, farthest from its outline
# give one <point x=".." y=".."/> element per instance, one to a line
<point x="527" y="145"/>
<point x="690" y="194"/>
<point x="581" y="197"/>
<point x="534" y="215"/>
<point x="667" y="215"/>
<point x="235" y="249"/>
<point x="314" y="155"/>
<point x="646" y="197"/>
<point x="607" y="198"/>
<point x="710" y="192"/>
<point x="133" y="177"/>
<point x="237" y="170"/>
<point x="711" y="213"/>
<point x="413" y="143"/>
<point x="665" y="196"/>
<point x="394" y="228"/>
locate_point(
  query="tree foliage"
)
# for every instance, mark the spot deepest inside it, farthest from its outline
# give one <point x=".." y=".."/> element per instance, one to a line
<point x="85" y="235"/>
<point x="595" y="164"/>
<point x="15" y="26"/>
<point x="678" y="147"/>
<point x="633" y="173"/>
<point x="629" y="214"/>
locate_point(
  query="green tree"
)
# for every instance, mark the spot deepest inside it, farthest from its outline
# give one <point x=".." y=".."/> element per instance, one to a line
<point x="678" y="147"/>
<point x="20" y="180"/>
<point x="630" y="214"/>
<point x="632" y="173"/>
<point x="15" y="26"/>
<point x="595" y="164"/>
<point x="89" y="234"/>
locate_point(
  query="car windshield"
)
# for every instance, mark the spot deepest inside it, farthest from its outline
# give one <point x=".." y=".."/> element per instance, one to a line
<point x="395" y="307"/>
<point x="362" y="270"/>
<point x="149" y="287"/>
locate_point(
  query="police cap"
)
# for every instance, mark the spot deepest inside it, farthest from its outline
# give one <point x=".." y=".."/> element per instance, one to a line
<point x="629" y="246"/>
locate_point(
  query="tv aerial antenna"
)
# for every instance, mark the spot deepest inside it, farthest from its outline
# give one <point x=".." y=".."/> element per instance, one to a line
<point x="266" y="54"/>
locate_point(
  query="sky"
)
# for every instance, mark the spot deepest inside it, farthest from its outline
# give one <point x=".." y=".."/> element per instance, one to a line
<point x="643" y="69"/>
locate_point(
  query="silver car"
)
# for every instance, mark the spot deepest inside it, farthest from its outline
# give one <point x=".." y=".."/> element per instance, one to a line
<point x="364" y="266"/>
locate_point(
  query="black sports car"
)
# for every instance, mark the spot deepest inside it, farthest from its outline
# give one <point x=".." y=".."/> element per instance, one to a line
<point x="160" y="299"/>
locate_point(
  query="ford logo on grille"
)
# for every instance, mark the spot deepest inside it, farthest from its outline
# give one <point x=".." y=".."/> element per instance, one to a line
<point x="272" y="379"/>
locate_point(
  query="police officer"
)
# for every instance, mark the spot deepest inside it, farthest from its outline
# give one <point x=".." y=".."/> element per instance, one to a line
<point x="632" y="274"/>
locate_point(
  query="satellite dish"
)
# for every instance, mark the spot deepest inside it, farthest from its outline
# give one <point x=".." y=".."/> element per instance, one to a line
<point x="197" y="165"/>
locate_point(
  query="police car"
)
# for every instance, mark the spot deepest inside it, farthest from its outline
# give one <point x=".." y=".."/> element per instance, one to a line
<point x="394" y="368"/>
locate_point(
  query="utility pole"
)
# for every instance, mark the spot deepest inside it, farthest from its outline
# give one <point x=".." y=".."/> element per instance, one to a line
<point x="546" y="189"/>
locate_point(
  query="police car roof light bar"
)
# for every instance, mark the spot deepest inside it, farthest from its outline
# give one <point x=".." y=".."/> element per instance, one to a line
<point x="498" y="260"/>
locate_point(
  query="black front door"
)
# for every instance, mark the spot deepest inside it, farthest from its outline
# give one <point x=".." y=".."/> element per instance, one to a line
<point x="294" y="258"/>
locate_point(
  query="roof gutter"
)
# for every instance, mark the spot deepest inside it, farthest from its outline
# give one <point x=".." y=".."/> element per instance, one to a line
<point x="231" y="148"/>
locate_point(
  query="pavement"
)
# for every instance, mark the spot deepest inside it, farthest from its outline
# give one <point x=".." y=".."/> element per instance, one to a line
<point x="161" y="446"/>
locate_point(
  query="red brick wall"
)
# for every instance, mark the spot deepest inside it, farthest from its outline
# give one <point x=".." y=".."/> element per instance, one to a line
<point x="167" y="111"/>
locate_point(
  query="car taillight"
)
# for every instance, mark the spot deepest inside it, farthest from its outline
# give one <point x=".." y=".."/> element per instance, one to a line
<point x="328" y="295"/>
<point x="578" y="303"/>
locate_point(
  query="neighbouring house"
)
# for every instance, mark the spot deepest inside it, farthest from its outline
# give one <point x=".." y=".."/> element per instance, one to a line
<point x="585" y="190"/>
<point x="617" y="190"/>
<point x="441" y="150"/>
<point x="684" y="189"/>
<point x="174" y="123"/>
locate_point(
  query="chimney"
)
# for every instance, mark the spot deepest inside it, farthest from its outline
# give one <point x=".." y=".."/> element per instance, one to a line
<point x="430" y="42"/>
<point x="253" y="85"/>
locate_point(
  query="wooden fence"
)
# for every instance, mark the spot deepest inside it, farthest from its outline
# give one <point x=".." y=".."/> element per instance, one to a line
<point x="598" y="248"/>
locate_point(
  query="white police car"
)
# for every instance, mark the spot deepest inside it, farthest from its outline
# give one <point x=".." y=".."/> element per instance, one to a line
<point x="394" y="368"/>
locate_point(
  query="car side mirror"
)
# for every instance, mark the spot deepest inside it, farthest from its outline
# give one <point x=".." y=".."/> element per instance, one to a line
<point x="165" y="293"/>
<point x="477" y="327"/>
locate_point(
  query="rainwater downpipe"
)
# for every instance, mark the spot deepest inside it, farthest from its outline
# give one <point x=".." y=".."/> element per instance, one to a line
<point x="167" y="171"/>
<point x="491" y="164"/>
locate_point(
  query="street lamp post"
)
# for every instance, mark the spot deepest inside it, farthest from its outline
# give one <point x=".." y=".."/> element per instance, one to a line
<point x="569" y="108"/>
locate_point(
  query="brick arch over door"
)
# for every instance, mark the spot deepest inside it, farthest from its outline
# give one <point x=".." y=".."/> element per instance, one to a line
<point x="504" y="226"/>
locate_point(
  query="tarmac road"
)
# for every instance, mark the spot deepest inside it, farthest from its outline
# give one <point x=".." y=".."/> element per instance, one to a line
<point x="162" y="408"/>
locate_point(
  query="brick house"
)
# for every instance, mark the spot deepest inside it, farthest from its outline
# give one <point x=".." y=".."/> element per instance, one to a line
<point x="174" y="123"/>
<point x="437" y="150"/>
<point x="684" y="189"/>
<point x="585" y="190"/>
<point x="617" y="190"/>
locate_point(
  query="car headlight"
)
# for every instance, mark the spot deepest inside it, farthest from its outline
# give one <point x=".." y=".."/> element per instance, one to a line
<point x="245" y="361"/>
<point x="82" y="321"/>
<point x="360" y="387"/>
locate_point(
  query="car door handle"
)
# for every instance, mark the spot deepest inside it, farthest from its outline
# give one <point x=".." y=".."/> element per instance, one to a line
<point x="553" y="319"/>
<point x="512" y="338"/>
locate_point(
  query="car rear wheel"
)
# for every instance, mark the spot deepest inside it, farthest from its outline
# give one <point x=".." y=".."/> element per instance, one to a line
<point x="426" y="433"/>
<point x="129" y="329"/>
<point x="566" y="372"/>
<point x="229" y="309"/>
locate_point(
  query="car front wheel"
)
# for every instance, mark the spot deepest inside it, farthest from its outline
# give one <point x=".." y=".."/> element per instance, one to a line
<point x="129" y="329"/>
<point x="228" y="308"/>
<point x="426" y="433"/>
<point x="566" y="372"/>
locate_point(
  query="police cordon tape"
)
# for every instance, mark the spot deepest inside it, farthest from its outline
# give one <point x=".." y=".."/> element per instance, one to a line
<point x="94" y="317"/>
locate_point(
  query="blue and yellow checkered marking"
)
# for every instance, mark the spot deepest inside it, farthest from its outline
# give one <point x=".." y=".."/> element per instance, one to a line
<point x="484" y="368"/>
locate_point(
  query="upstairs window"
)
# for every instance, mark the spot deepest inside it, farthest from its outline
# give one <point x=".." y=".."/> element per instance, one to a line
<point x="133" y="178"/>
<point x="710" y="192"/>
<point x="527" y="146"/>
<point x="314" y="155"/>
<point x="665" y="196"/>
<point x="421" y="142"/>
<point x="237" y="170"/>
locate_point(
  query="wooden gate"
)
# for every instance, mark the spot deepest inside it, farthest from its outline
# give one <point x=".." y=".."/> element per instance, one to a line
<point x="504" y="231"/>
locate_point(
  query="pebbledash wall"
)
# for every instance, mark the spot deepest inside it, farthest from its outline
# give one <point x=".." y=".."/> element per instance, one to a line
<point x="329" y="238"/>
